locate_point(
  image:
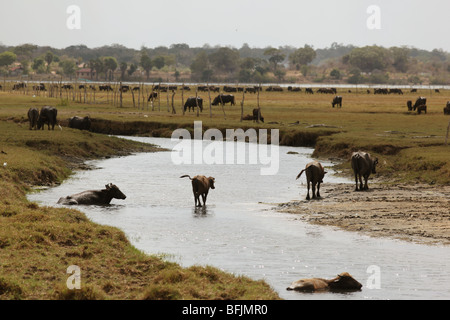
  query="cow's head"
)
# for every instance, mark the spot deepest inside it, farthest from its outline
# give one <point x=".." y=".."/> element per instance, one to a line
<point x="114" y="191"/>
<point x="211" y="182"/>
<point x="374" y="164"/>
<point x="345" y="282"/>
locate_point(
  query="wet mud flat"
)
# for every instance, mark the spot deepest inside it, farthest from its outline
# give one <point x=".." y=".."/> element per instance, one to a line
<point x="418" y="213"/>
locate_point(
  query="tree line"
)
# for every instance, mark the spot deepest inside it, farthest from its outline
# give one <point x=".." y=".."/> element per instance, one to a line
<point x="180" y="62"/>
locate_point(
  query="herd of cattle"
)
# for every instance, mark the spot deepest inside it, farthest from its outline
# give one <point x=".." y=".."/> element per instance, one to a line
<point x="48" y="115"/>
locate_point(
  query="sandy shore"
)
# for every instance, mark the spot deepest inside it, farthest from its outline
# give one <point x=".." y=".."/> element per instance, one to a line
<point x="417" y="213"/>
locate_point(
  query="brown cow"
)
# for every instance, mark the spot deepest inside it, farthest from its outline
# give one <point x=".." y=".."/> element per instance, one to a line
<point x="200" y="187"/>
<point x="343" y="282"/>
<point x="314" y="175"/>
<point x="363" y="164"/>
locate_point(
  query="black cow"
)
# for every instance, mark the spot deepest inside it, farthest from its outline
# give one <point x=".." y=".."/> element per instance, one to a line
<point x="47" y="116"/>
<point x="337" y="101"/>
<point x="33" y="115"/>
<point x="421" y="101"/>
<point x="309" y="90"/>
<point x="94" y="197"/>
<point x="447" y="108"/>
<point x="80" y="123"/>
<point x="409" y="105"/>
<point x="255" y="115"/>
<point x="190" y="103"/>
<point x="224" y="99"/>
<point x="152" y="96"/>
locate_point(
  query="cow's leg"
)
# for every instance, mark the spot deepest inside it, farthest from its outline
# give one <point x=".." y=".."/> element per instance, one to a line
<point x="366" y="177"/>
<point x="356" y="182"/>
<point x="318" y="188"/>
<point x="307" y="195"/>
<point x="204" y="199"/>
<point x="313" y="190"/>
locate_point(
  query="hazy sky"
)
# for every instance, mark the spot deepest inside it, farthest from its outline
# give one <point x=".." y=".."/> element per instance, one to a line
<point x="259" y="23"/>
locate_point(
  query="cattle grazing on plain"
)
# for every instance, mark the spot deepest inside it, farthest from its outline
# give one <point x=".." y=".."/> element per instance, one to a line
<point x="67" y="87"/>
<point x="344" y="282"/>
<point x="20" y="85"/>
<point x="447" y="108"/>
<point x="200" y="187"/>
<point x="309" y="90"/>
<point x="363" y="164"/>
<point x="47" y="116"/>
<point x="224" y="99"/>
<point x="420" y="101"/>
<point x="94" y="197"/>
<point x="152" y="96"/>
<point x="327" y="90"/>
<point x="255" y="115"/>
<point x="337" y="101"/>
<point x="33" y="116"/>
<point x="396" y="91"/>
<point x="80" y="123"/>
<point x="314" y="176"/>
<point x="191" y="103"/>
<point x="409" y="105"/>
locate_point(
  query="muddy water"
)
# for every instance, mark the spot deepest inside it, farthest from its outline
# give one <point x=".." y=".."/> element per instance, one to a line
<point x="239" y="231"/>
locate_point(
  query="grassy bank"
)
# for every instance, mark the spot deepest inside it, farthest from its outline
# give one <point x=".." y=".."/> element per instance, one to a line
<point x="38" y="244"/>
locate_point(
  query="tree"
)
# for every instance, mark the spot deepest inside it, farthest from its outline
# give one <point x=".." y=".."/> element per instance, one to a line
<point x="132" y="69"/>
<point x="68" y="67"/>
<point x="400" y="56"/>
<point x="49" y="59"/>
<point x="335" y="74"/>
<point x="110" y="66"/>
<point x="97" y="65"/>
<point x="146" y="63"/>
<point x="39" y="65"/>
<point x="276" y="57"/>
<point x="158" y="62"/>
<point x="200" y="67"/>
<point x="369" y="58"/>
<point x="6" y="58"/>
<point x="225" y="60"/>
<point x="302" y="56"/>
<point x="123" y="69"/>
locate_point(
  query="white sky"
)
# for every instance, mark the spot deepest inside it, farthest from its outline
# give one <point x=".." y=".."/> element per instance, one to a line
<point x="260" y="23"/>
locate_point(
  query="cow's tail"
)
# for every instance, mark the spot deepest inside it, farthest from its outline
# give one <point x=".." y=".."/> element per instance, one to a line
<point x="298" y="176"/>
<point x="186" y="176"/>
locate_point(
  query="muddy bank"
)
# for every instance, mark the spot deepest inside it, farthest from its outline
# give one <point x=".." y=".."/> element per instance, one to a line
<point x="288" y="137"/>
<point x="416" y="213"/>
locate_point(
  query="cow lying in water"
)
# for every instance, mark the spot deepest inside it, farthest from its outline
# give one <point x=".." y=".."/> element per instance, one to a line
<point x="343" y="282"/>
<point x="200" y="187"/>
<point x="314" y="176"/>
<point x="94" y="197"/>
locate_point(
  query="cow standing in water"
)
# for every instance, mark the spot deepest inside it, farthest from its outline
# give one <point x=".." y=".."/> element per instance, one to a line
<point x="200" y="187"/>
<point x="363" y="164"/>
<point x="314" y="175"/>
